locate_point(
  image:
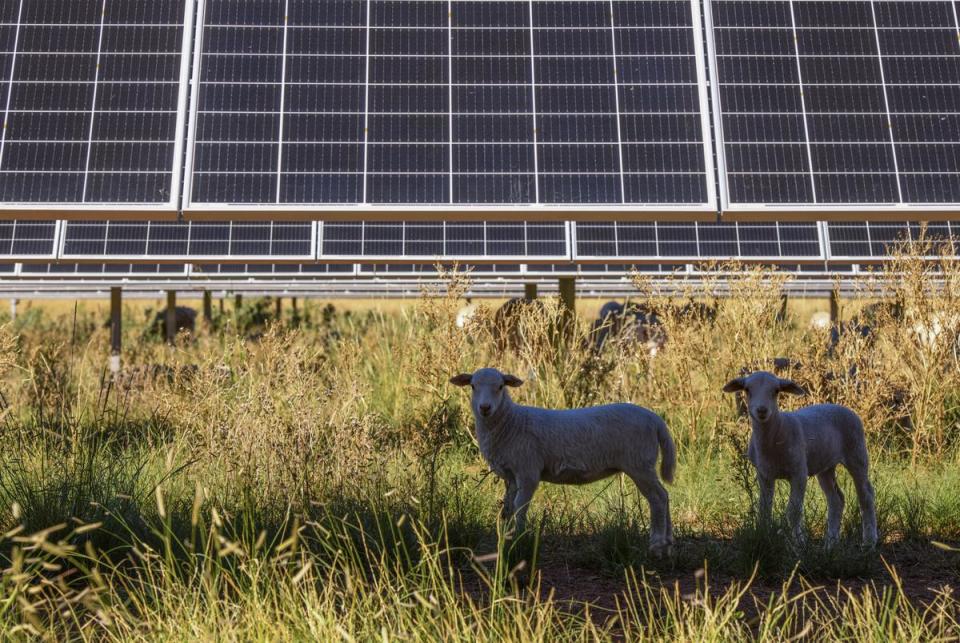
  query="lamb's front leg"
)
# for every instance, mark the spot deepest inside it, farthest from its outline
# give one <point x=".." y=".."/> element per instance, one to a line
<point x="526" y="487"/>
<point x="765" y="507"/>
<point x="798" y="489"/>
<point x="511" y="491"/>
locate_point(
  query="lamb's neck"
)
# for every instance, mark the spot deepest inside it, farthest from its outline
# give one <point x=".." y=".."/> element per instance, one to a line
<point x="770" y="435"/>
<point x="493" y="426"/>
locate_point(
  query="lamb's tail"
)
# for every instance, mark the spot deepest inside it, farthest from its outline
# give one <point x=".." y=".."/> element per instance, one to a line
<point x="668" y="452"/>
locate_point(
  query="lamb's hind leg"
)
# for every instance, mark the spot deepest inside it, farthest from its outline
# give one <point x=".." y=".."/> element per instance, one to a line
<point x="661" y="528"/>
<point x="828" y="483"/>
<point x="858" y="468"/>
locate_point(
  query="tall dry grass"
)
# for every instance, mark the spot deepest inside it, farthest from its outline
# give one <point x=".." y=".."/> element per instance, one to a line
<point x="321" y="481"/>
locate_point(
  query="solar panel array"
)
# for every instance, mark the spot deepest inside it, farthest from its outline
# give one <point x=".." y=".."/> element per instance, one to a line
<point x="447" y="109"/>
<point x="241" y="244"/>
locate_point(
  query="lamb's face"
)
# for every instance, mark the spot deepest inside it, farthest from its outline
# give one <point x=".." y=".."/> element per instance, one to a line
<point x="488" y="393"/>
<point x="487" y="387"/>
<point x="761" y="390"/>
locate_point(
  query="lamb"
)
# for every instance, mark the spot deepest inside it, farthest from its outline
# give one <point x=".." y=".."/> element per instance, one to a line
<point x="525" y="445"/>
<point x="808" y="442"/>
<point x="634" y="323"/>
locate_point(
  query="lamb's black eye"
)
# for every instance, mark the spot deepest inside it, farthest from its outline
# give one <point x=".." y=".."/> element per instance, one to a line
<point x="501" y="388"/>
<point x="473" y="386"/>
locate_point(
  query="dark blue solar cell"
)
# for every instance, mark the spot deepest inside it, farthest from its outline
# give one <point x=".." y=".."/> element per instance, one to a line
<point x="580" y="188"/>
<point x="321" y="188"/>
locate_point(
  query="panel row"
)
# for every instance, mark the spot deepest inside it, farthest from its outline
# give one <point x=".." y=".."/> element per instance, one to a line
<point x="427" y="242"/>
<point x="500" y="104"/>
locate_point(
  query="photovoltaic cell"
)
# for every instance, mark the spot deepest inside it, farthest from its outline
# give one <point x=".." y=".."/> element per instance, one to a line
<point x="639" y="241"/>
<point x="871" y="240"/>
<point x="162" y="239"/>
<point x="28" y="239"/>
<point x="446" y="102"/>
<point x="439" y="240"/>
<point x="91" y="98"/>
<point x="838" y="103"/>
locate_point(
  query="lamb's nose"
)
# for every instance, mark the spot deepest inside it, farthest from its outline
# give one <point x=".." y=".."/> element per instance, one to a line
<point x="485" y="409"/>
<point x="762" y="412"/>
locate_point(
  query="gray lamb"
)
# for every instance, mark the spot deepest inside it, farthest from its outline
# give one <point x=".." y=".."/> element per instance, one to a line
<point x="525" y="445"/>
<point x="811" y="441"/>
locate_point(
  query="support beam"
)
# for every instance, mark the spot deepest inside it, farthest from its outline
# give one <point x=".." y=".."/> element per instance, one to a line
<point x="835" y="306"/>
<point x="171" y="319"/>
<point x="278" y="308"/>
<point x="782" y="313"/>
<point x="13" y="308"/>
<point x="568" y="295"/>
<point x="208" y="308"/>
<point x="295" y="315"/>
<point x="237" y="302"/>
<point x="221" y="306"/>
<point x="116" y="334"/>
<point x="530" y="291"/>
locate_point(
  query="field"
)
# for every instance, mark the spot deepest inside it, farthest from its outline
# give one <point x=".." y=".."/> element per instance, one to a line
<point x="317" y="478"/>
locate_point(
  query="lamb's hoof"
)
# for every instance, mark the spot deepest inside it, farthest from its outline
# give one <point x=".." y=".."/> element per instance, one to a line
<point x="662" y="550"/>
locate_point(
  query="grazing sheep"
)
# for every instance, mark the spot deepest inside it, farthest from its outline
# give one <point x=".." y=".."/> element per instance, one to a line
<point x="506" y="322"/>
<point x="525" y="445"/>
<point x="820" y="321"/>
<point x="185" y="318"/>
<point x="466" y="314"/>
<point x="809" y="442"/>
<point x="633" y="323"/>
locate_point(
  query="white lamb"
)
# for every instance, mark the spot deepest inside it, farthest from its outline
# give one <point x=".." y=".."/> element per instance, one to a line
<point x="808" y="442"/>
<point x="525" y="445"/>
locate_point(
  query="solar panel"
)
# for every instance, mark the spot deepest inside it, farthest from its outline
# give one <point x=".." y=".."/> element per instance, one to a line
<point x="837" y="106"/>
<point x="102" y="270"/>
<point x="154" y="240"/>
<point x="697" y="241"/>
<point x="28" y="239"/>
<point x="430" y="269"/>
<point x="94" y="101"/>
<point x="454" y="241"/>
<point x="872" y="240"/>
<point x="600" y="269"/>
<point x="483" y="105"/>
<point x="309" y="270"/>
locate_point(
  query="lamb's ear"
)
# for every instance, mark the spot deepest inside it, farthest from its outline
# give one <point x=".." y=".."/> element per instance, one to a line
<point x="733" y="386"/>
<point x="789" y="386"/>
<point x="463" y="379"/>
<point x="512" y="380"/>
